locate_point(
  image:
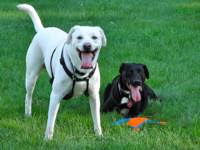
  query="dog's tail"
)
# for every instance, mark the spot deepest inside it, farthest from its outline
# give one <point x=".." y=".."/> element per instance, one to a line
<point x="33" y="14"/>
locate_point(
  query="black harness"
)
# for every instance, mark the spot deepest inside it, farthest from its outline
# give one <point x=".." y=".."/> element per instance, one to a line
<point x="72" y="75"/>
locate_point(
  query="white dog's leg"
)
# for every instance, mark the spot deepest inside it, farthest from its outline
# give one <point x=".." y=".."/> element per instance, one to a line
<point x="95" y="110"/>
<point x="34" y="63"/>
<point x="31" y="78"/>
<point x="52" y="113"/>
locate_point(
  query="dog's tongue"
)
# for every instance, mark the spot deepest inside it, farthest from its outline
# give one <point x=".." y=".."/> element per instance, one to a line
<point x="135" y="93"/>
<point x="86" y="60"/>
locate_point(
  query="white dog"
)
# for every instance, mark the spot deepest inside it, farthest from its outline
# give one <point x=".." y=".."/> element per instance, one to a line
<point x="70" y="60"/>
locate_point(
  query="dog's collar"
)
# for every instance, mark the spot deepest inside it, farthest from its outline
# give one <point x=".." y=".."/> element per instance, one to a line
<point x="77" y="71"/>
<point x="121" y="90"/>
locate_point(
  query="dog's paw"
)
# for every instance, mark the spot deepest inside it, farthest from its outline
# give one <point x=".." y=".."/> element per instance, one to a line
<point x="27" y="114"/>
<point x="98" y="132"/>
<point x="48" y="137"/>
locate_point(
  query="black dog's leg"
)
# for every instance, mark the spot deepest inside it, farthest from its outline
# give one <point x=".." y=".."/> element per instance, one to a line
<point x="107" y="92"/>
<point x="108" y="104"/>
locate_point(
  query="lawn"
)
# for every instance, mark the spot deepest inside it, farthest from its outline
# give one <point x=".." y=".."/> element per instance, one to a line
<point x="164" y="35"/>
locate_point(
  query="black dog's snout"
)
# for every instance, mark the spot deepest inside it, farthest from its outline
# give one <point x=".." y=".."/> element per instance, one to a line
<point x="137" y="83"/>
<point x="87" y="46"/>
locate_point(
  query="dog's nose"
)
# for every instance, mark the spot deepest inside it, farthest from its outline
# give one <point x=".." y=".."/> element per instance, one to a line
<point x="87" y="46"/>
<point x="137" y="83"/>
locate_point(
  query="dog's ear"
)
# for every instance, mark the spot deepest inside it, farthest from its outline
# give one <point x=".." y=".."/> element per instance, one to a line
<point x="71" y="31"/>
<point x="103" y="37"/>
<point x="146" y="71"/>
<point x="122" y="67"/>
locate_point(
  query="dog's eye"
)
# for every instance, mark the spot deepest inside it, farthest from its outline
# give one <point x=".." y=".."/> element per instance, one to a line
<point x="79" y="37"/>
<point x="94" y="37"/>
<point x="131" y="71"/>
<point x="138" y="70"/>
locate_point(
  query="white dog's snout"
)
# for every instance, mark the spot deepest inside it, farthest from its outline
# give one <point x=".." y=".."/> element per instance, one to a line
<point x="87" y="46"/>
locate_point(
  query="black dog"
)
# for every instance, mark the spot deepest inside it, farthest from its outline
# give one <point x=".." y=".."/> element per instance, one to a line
<point x="128" y="94"/>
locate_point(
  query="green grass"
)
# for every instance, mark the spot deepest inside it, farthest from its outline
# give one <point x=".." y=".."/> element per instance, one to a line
<point x="164" y="35"/>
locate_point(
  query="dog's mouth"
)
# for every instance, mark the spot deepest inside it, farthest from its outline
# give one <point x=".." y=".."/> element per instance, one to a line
<point x="86" y="58"/>
<point x="135" y="95"/>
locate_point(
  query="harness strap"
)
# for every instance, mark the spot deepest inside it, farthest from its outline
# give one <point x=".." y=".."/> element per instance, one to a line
<point x="62" y="62"/>
<point x="74" y="78"/>
<point x="87" y="86"/>
<point x="78" y="72"/>
<point x="52" y="76"/>
<point x="70" y="94"/>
